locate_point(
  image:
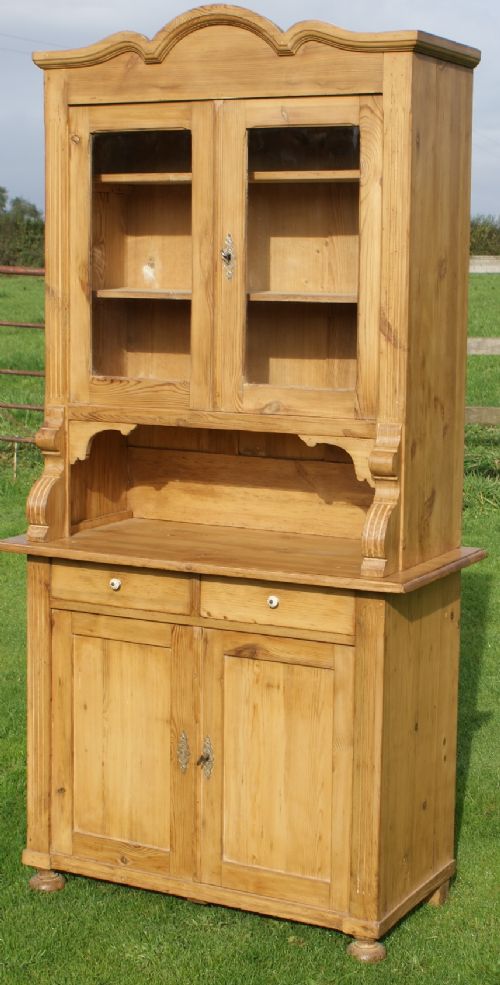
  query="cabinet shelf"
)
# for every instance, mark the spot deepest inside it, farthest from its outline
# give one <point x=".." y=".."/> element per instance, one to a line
<point x="331" y="562"/>
<point x="339" y="175"/>
<point x="303" y="298"/>
<point x="144" y="178"/>
<point x="122" y="293"/>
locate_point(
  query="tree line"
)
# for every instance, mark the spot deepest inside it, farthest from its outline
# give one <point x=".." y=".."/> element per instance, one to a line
<point x="22" y="233"/>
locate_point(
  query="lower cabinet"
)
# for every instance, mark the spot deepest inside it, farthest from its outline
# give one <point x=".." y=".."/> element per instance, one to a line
<point x="208" y="755"/>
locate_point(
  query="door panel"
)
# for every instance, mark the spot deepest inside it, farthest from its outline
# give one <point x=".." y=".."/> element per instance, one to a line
<point x="143" y="301"/>
<point x="122" y="740"/>
<point x="125" y="704"/>
<point x="301" y="204"/>
<point x="269" y="807"/>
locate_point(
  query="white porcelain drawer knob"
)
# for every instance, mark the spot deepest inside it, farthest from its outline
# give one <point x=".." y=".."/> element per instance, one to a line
<point x="115" y="584"/>
<point x="273" y="601"/>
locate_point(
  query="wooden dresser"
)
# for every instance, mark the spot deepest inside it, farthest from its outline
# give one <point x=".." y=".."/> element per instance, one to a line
<point x="244" y="551"/>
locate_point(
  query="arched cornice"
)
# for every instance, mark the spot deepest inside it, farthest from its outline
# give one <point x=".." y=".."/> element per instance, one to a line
<point x="284" y="43"/>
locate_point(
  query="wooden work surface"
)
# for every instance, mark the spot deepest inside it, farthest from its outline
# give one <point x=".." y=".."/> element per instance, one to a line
<point x="332" y="562"/>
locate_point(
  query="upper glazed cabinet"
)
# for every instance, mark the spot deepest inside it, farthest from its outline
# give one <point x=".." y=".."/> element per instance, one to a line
<point x="229" y="257"/>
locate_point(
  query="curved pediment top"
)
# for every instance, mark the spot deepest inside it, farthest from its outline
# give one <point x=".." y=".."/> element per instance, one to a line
<point x="155" y="50"/>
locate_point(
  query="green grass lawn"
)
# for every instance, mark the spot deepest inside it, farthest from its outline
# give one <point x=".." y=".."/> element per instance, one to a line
<point x="96" y="933"/>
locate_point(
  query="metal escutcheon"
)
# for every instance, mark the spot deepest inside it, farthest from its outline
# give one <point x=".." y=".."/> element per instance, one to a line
<point x="206" y="760"/>
<point x="227" y="256"/>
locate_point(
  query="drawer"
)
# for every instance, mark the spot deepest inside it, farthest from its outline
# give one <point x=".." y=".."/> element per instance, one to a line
<point x="125" y="588"/>
<point x="284" y="605"/>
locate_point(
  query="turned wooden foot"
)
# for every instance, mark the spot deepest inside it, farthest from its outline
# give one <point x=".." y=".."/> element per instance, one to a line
<point x="368" y="951"/>
<point x="46" y="881"/>
<point x="440" y="895"/>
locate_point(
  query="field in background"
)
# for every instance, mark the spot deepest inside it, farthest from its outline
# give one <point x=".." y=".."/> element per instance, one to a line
<point x="101" y="934"/>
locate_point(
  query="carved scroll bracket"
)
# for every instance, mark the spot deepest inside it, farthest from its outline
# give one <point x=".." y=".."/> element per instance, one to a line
<point x="81" y="434"/>
<point x="45" y="507"/>
<point x="379" y="541"/>
<point x="359" y="449"/>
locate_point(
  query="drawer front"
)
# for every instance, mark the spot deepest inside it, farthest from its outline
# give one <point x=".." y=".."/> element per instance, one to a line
<point x="268" y="604"/>
<point x="125" y="588"/>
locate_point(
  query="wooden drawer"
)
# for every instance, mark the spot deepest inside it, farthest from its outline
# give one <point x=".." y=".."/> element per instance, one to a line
<point x="303" y="607"/>
<point x="151" y="591"/>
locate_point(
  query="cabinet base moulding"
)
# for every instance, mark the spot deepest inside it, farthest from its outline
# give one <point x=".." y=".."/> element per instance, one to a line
<point x="361" y="930"/>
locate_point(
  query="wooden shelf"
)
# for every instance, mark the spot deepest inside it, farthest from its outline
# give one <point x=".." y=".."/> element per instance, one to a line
<point x="303" y="298"/>
<point x="144" y="178"/>
<point x="148" y="295"/>
<point x="332" y="562"/>
<point x="307" y="177"/>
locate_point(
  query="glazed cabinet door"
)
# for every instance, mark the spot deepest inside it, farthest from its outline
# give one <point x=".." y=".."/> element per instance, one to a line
<point x="140" y="250"/>
<point x="299" y="232"/>
<point x="122" y="705"/>
<point x="277" y="725"/>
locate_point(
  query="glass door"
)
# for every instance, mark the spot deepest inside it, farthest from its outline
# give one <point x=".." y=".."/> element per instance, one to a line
<point x="297" y="250"/>
<point x="138" y="299"/>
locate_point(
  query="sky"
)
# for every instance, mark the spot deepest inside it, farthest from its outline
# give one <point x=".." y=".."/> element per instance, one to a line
<point x="40" y="25"/>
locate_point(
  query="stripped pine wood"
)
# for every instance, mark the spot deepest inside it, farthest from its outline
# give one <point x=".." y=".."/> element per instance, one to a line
<point x="297" y="423"/>
<point x="39" y="675"/>
<point x="140" y="590"/>
<point x="305" y="608"/>
<point x="333" y="562"/>
<point x="99" y="484"/>
<point x="61" y="788"/>
<point x="420" y="741"/>
<point x="263" y="699"/>
<point x="56" y="239"/>
<point x="440" y="198"/>
<point x="230" y="235"/>
<point x="244" y="554"/>
<point x="259" y="493"/>
<point x="370" y="234"/>
<point x="202" y="307"/>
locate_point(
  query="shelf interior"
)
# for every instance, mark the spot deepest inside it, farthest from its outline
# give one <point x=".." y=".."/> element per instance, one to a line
<point x="301" y="345"/>
<point x="143" y="337"/>
<point x="229" y="500"/>
<point x="303" y="242"/>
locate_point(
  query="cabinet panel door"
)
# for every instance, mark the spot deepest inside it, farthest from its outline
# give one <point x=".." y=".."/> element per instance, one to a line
<point x="121" y="702"/>
<point x="299" y="273"/>
<point x="140" y="277"/>
<point x="274" y="822"/>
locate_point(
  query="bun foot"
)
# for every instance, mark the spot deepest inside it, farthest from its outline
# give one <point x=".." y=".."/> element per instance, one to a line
<point x="46" y="881"/>
<point x="440" y="895"/>
<point x="367" y="951"/>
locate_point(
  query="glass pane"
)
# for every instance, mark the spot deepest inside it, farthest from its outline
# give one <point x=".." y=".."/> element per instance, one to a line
<point x="142" y="254"/>
<point x="150" y="151"/>
<point x="298" y="148"/>
<point x="141" y="339"/>
<point x="301" y="345"/>
<point x="302" y="257"/>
